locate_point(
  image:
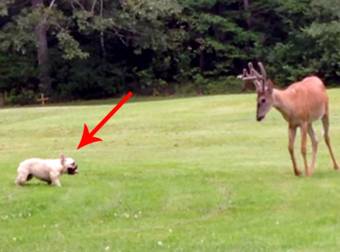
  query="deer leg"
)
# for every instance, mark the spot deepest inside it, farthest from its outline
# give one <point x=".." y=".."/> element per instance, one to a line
<point x="325" y="123"/>
<point x="292" y="134"/>
<point x="314" y="140"/>
<point x="304" y="128"/>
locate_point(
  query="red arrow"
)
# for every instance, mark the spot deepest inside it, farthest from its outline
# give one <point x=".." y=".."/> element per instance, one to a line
<point x="88" y="137"/>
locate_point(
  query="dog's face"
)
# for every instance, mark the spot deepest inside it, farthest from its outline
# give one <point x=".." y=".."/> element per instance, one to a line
<point x="70" y="165"/>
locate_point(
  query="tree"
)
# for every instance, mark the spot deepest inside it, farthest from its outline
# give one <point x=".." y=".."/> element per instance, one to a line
<point x="135" y="25"/>
<point x="324" y="36"/>
<point x="99" y="48"/>
<point x="40" y="30"/>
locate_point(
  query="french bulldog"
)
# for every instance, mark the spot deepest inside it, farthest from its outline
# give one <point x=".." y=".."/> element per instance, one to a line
<point x="48" y="170"/>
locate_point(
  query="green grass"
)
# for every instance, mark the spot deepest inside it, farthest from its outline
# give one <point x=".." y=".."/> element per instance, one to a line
<point x="190" y="174"/>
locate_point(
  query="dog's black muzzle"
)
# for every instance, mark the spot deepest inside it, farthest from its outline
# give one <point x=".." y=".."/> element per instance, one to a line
<point x="72" y="171"/>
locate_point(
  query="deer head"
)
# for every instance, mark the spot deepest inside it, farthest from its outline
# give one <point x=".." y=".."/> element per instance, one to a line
<point x="264" y="88"/>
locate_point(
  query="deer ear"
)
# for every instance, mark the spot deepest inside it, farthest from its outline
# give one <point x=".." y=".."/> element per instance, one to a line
<point x="270" y="85"/>
<point x="62" y="159"/>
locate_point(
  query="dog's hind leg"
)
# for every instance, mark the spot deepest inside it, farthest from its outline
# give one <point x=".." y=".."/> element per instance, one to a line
<point x="21" y="179"/>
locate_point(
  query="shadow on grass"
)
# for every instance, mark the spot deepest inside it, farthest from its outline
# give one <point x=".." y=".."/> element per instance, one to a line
<point x="37" y="184"/>
<point x="34" y="184"/>
<point x="331" y="173"/>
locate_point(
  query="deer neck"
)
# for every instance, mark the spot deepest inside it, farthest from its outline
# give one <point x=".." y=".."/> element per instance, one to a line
<point x="281" y="103"/>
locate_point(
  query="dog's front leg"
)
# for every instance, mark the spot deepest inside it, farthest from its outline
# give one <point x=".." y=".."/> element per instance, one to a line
<point x="55" y="179"/>
<point x="56" y="182"/>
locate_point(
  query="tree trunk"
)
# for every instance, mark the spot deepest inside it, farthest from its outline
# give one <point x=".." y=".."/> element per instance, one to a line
<point x="102" y="39"/>
<point x="202" y="59"/>
<point x="2" y="99"/>
<point x="246" y="4"/>
<point x="42" y="51"/>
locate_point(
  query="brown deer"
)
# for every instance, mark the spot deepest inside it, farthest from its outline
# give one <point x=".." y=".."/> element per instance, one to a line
<point x="300" y="104"/>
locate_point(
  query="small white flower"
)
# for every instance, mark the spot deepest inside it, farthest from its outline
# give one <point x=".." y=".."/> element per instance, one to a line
<point x="160" y="243"/>
<point x="126" y="215"/>
<point x="136" y="216"/>
<point x="170" y="230"/>
<point x="14" y="238"/>
<point x="107" y="248"/>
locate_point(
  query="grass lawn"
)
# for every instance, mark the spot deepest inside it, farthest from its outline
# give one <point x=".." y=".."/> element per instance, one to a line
<point x="189" y="174"/>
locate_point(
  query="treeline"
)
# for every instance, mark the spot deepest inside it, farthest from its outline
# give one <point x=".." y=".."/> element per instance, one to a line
<point x="83" y="49"/>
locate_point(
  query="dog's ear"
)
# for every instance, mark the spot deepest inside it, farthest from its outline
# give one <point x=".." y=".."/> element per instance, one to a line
<point x="62" y="159"/>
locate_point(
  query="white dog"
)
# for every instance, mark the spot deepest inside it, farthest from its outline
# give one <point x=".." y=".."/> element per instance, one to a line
<point x="48" y="170"/>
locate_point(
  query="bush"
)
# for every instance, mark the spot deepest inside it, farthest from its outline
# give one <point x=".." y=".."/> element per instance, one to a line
<point x="202" y="86"/>
<point x="24" y="97"/>
<point x="223" y="85"/>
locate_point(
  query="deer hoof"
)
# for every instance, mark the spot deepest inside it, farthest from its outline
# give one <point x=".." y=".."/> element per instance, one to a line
<point x="297" y="173"/>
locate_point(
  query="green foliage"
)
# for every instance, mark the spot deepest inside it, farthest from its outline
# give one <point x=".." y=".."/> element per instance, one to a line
<point x="216" y="36"/>
<point x="17" y="72"/>
<point x="70" y="46"/>
<point x="222" y="85"/>
<point x="324" y="34"/>
<point x="18" y="35"/>
<point x="23" y="97"/>
<point x="156" y="47"/>
<point x="86" y="79"/>
<point x="3" y="7"/>
<point x="325" y="47"/>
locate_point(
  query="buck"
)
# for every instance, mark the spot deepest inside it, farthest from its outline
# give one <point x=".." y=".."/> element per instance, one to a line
<point x="300" y="104"/>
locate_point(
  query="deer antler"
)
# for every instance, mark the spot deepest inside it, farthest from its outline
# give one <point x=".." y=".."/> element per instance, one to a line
<point x="263" y="71"/>
<point x="254" y="76"/>
<point x="245" y="76"/>
<point x="253" y="71"/>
